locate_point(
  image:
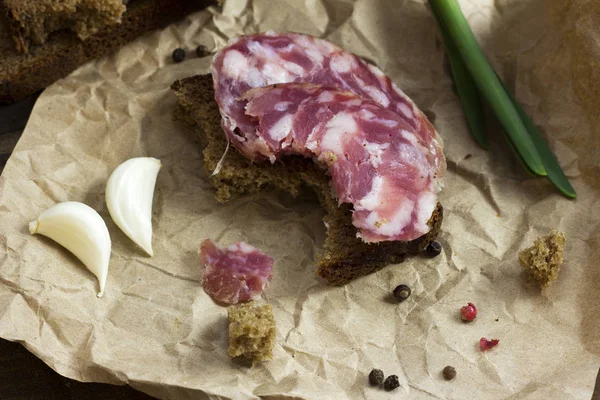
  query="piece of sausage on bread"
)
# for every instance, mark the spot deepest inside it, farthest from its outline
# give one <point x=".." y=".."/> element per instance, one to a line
<point x="345" y="256"/>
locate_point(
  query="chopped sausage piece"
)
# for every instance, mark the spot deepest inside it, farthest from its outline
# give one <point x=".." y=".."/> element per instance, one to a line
<point x="374" y="157"/>
<point x="238" y="273"/>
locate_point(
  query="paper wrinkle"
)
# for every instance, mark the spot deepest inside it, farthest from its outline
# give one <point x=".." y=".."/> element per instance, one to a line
<point x="479" y="180"/>
<point x="156" y="328"/>
<point x="169" y="274"/>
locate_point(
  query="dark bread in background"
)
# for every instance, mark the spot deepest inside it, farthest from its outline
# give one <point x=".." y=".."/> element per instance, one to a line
<point x="31" y="21"/>
<point x="25" y="74"/>
<point x="345" y="256"/>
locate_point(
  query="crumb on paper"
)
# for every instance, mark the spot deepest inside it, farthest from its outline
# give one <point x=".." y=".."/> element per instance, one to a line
<point x="251" y="332"/>
<point x="543" y="260"/>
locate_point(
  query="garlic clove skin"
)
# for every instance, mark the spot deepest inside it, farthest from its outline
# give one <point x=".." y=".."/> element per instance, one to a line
<point x="81" y="230"/>
<point x="129" y="196"/>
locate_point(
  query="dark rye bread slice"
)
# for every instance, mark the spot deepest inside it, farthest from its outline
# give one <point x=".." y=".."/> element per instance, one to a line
<point x="31" y="21"/>
<point x="63" y="52"/>
<point x="345" y="256"/>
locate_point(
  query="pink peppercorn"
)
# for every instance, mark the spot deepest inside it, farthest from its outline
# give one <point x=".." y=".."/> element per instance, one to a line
<point x="487" y="344"/>
<point x="468" y="312"/>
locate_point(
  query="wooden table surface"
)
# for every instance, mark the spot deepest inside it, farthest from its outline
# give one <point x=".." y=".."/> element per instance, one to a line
<point x="22" y="375"/>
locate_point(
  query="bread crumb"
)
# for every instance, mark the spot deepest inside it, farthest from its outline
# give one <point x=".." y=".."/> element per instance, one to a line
<point x="251" y="332"/>
<point x="543" y="260"/>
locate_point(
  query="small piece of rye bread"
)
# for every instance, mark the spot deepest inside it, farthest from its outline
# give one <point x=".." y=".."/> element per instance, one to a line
<point x="542" y="261"/>
<point x="345" y="256"/>
<point x="252" y="332"/>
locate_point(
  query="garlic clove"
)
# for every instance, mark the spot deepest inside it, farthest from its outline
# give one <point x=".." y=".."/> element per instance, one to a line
<point x="79" y="229"/>
<point x="129" y="195"/>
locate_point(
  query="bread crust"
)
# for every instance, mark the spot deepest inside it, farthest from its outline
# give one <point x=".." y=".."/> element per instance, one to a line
<point x="345" y="256"/>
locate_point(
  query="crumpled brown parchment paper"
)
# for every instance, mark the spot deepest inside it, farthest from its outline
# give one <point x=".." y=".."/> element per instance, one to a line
<point x="157" y="330"/>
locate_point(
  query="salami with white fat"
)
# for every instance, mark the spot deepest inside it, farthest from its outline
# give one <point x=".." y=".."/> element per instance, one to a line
<point x="269" y="58"/>
<point x="289" y="93"/>
<point x="235" y="274"/>
<point x="374" y="157"/>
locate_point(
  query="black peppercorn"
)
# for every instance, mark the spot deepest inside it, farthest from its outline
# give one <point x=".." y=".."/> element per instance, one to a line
<point x="376" y="377"/>
<point x="449" y="373"/>
<point x="178" y="55"/>
<point x="402" y="292"/>
<point x="433" y="248"/>
<point x="201" y="51"/>
<point x="391" y="383"/>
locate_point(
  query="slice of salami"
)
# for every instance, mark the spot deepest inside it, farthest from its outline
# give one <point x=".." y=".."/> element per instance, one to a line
<point x="238" y="273"/>
<point x="271" y="58"/>
<point x="375" y="158"/>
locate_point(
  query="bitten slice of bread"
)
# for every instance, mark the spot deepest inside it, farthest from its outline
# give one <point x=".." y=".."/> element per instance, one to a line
<point x="542" y="261"/>
<point x="345" y="256"/>
<point x="63" y="52"/>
